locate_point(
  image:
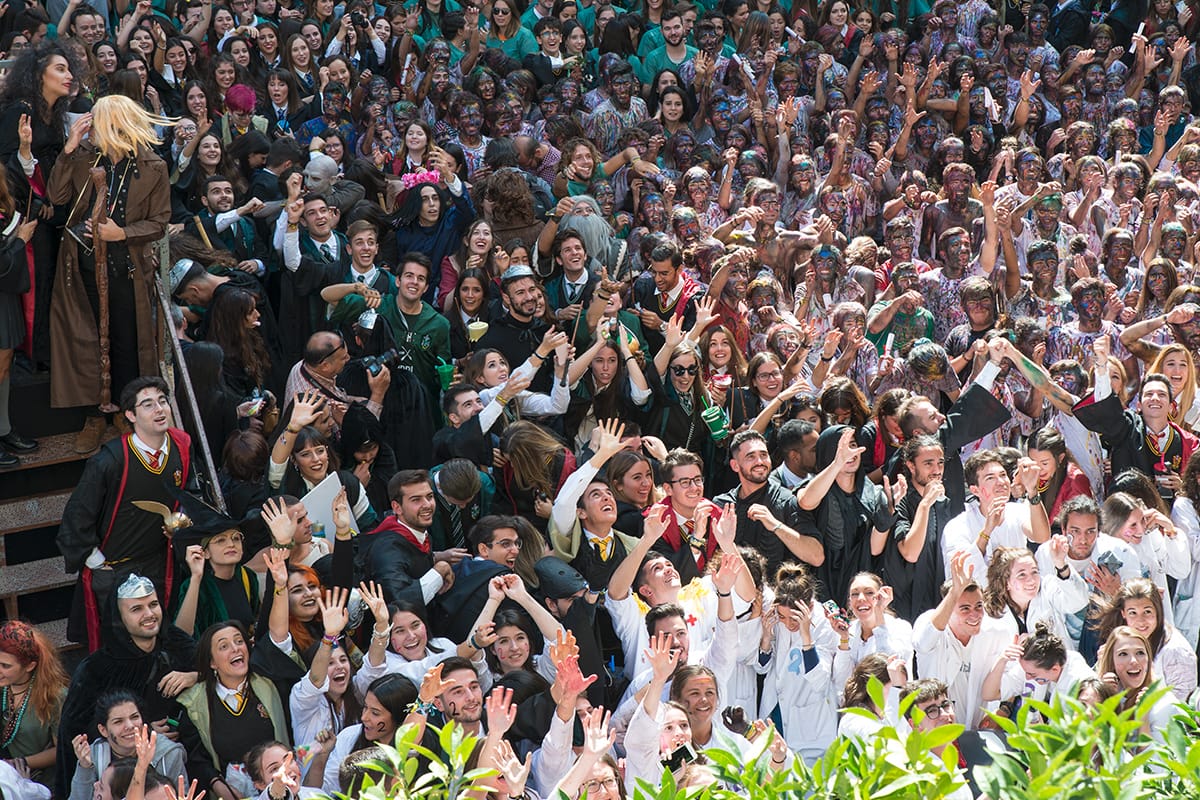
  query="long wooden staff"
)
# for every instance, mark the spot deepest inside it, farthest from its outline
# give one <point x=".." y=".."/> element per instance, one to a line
<point x="100" y="250"/>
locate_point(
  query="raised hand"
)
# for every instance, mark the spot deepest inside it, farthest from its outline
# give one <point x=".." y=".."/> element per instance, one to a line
<point x="501" y="711"/>
<point x="276" y="562"/>
<point x="372" y="595"/>
<point x="342" y="519"/>
<point x="847" y="450"/>
<point x="961" y="570"/>
<point x="334" y="615"/>
<point x="609" y="442"/>
<point x="726" y="575"/>
<point x="432" y="685"/>
<point x="194" y="556"/>
<point x="279" y="522"/>
<point x="515" y="773"/>
<point x="186" y="791"/>
<point x="662" y="657"/>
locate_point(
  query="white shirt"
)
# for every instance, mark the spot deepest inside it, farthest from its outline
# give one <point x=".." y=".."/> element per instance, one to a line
<point x="962" y="531"/>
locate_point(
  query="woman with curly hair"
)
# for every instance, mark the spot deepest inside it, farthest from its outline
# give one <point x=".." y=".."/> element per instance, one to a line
<point x="508" y="203"/>
<point x="32" y="687"/>
<point x="1018" y="596"/>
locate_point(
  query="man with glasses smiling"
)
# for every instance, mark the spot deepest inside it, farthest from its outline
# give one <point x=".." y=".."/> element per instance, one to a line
<point x="936" y="710"/>
<point x="495" y="542"/>
<point x="102" y="531"/>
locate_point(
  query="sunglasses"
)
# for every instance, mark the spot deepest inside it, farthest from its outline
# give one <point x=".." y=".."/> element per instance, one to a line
<point x="679" y="371"/>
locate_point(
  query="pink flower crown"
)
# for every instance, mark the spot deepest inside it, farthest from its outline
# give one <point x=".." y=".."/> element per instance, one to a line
<point x="411" y="179"/>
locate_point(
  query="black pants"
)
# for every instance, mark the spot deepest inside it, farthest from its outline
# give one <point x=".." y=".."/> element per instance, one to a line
<point x="122" y="312"/>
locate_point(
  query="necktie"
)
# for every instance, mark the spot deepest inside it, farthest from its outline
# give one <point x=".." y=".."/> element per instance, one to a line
<point x="361" y="279"/>
<point x="456" y="527"/>
<point x="327" y="252"/>
<point x="155" y="458"/>
<point x="281" y="113"/>
<point x="604" y="545"/>
<point x="573" y="293"/>
<point x="237" y="701"/>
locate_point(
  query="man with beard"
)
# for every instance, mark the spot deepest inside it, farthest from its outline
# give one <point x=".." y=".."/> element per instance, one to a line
<point x="957" y="210"/>
<point x="620" y="111"/>
<point x="667" y="293"/>
<point x="904" y="318"/>
<point x="974" y="415"/>
<point x="1144" y="440"/>
<point x="796" y="451"/>
<point x="399" y="555"/>
<point x="517" y="332"/>
<point x="941" y="286"/>
<point x="102" y="528"/>
<point x="229" y="228"/>
<point x="571" y="291"/>
<point x="1042" y="297"/>
<point x="139" y="656"/>
<point x="467" y="113"/>
<point x="1105" y="562"/>
<point x="674" y="52"/>
<point x="459" y="697"/>
<point x="1075" y="339"/>
<point x="768" y="517"/>
<point x="912" y="556"/>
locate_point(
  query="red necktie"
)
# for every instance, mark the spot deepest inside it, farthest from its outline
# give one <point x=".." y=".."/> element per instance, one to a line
<point x="155" y="457"/>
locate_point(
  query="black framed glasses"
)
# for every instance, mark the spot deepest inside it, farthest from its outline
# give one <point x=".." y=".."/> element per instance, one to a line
<point x="679" y="371"/>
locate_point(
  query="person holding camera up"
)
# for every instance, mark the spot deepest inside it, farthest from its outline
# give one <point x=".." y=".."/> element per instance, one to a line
<point x="419" y="334"/>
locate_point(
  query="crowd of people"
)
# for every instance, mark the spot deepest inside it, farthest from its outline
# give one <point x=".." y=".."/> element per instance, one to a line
<point x="612" y="382"/>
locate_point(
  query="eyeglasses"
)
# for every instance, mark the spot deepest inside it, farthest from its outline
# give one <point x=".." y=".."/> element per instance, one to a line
<point x="935" y="712"/>
<point x="591" y="787"/>
<point x="150" y="405"/>
<point x="766" y="376"/>
<point x="508" y="544"/>
<point x="688" y="483"/>
<point x="341" y="346"/>
<point x="679" y="371"/>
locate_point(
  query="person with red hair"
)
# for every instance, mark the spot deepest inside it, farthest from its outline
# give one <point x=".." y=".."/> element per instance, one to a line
<point x="32" y="687"/>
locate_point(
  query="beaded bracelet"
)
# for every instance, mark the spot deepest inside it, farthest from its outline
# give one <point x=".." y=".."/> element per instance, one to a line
<point x="420" y="707"/>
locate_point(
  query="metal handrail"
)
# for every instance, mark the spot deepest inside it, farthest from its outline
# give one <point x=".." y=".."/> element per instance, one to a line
<point x="165" y="366"/>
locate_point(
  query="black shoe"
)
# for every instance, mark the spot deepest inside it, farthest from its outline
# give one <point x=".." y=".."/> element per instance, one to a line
<point x="18" y="443"/>
<point x="8" y="460"/>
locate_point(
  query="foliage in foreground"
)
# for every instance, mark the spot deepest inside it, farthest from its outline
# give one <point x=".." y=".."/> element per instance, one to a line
<point x="1062" y="750"/>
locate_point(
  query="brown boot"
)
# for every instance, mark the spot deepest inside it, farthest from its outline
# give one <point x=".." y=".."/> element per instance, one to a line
<point x="88" y="439"/>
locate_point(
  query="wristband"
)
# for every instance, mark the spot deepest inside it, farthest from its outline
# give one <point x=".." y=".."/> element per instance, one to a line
<point x="332" y="641"/>
<point x="827" y="360"/>
<point x="1036" y="499"/>
<point x="471" y="641"/>
<point x="291" y="431"/>
<point x="1060" y="570"/>
<point x="381" y="635"/>
<point x="278" y="546"/>
<point x="723" y="594"/>
<point x="419" y="706"/>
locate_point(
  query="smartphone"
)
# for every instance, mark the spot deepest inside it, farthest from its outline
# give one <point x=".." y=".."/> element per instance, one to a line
<point x="683" y="754"/>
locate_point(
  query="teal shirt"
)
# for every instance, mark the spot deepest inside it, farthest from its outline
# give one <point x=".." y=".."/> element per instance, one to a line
<point x="520" y="45"/>
<point x="658" y="60"/>
<point x="651" y="40"/>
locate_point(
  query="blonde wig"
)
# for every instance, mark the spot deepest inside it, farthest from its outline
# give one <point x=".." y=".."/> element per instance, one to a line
<point x="120" y="127"/>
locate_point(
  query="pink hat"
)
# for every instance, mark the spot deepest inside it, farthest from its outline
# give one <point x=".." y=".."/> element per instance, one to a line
<point x="240" y="97"/>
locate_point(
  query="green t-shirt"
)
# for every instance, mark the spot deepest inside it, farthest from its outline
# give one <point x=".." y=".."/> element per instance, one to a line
<point x="907" y="327"/>
<point x="658" y="60"/>
<point x="520" y="45"/>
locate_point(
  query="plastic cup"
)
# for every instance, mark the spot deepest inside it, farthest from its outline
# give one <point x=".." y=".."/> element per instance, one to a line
<point x="718" y="424"/>
<point x="445" y="374"/>
<point x="722" y="382"/>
